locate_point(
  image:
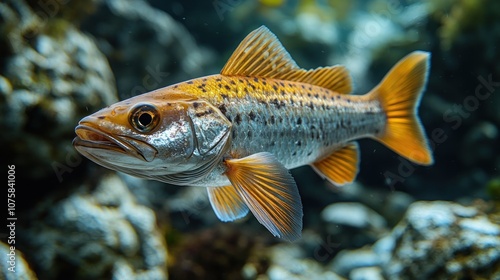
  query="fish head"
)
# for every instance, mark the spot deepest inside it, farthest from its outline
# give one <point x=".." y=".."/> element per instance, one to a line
<point x="153" y="135"/>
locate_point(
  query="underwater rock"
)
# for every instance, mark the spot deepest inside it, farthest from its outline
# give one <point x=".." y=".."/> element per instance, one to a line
<point x="152" y="194"/>
<point x="347" y="261"/>
<point x="434" y="240"/>
<point x="100" y="233"/>
<point x="288" y="261"/>
<point x="366" y="273"/>
<point x="441" y="240"/>
<point x="15" y="268"/>
<point x="385" y="202"/>
<point x="147" y="49"/>
<point x="211" y="254"/>
<point x="352" y="224"/>
<point x="315" y="29"/>
<point x="52" y="76"/>
<point x="190" y="207"/>
<point x="352" y="214"/>
<point x="387" y="24"/>
<point x="394" y="205"/>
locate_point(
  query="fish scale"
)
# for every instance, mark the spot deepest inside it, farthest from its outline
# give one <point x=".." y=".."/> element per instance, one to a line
<point x="298" y="123"/>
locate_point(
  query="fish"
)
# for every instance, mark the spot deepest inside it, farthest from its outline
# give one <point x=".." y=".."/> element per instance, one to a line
<point x="238" y="133"/>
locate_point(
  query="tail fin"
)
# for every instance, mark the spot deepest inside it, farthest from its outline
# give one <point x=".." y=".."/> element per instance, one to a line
<point x="399" y="94"/>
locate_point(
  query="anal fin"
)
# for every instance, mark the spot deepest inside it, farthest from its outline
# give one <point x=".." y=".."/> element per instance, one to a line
<point x="341" y="167"/>
<point x="269" y="191"/>
<point x="227" y="203"/>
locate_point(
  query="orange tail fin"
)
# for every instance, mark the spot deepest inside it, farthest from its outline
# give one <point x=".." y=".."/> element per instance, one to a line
<point x="399" y="94"/>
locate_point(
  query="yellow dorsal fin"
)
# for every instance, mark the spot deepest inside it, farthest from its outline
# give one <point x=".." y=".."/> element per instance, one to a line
<point x="335" y="78"/>
<point x="341" y="167"/>
<point x="261" y="54"/>
<point x="227" y="203"/>
<point x="269" y="191"/>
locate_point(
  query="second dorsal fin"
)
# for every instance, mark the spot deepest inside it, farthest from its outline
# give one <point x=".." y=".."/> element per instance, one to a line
<point x="261" y="54"/>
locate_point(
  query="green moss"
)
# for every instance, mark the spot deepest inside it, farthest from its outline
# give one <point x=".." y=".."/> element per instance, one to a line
<point x="493" y="188"/>
<point x="465" y="16"/>
<point x="324" y="13"/>
<point x="79" y="9"/>
<point x="73" y="11"/>
<point x="173" y="237"/>
<point x="57" y="28"/>
<point x="341" y="8"/>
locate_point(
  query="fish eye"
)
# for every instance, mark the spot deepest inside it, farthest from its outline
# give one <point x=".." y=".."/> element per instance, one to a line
<point x="144" y="118"/>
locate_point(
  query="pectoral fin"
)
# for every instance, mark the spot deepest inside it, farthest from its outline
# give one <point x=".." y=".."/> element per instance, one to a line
<point x="341" y="167"/>
<point x="227" y="203"/>
<point x="269" y="191"/>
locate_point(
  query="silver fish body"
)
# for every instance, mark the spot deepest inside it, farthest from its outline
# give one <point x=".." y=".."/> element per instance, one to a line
<point x="299" y="126"/>
<point x="238" y="133"/>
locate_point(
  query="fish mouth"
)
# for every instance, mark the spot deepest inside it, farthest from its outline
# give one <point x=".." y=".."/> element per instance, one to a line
<point x="90" y="137"/>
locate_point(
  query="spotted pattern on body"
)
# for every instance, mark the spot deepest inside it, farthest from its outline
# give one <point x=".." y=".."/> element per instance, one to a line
<point x="298" y="123"/>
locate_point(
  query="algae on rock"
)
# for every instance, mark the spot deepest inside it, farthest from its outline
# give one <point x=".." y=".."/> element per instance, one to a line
<point x="95" y="233"/>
